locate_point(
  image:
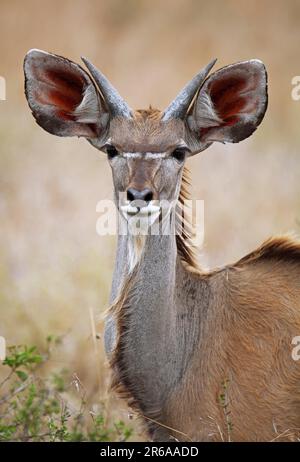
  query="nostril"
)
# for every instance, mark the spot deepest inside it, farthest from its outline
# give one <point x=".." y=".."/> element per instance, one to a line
<point x="131" y="194"/>
<point x="134" y="194"/>
<point x="148" y="195"/>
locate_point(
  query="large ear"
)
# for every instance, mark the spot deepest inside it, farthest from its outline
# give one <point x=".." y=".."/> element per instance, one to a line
<point x="230" y="104"/>
<point x="62" y="96"/>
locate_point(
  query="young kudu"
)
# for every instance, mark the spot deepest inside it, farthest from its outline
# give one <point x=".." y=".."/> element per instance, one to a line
<point x="199" y="355"/>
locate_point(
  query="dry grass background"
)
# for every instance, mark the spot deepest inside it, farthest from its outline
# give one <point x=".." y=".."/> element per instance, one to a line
<point x="54" y="268"/>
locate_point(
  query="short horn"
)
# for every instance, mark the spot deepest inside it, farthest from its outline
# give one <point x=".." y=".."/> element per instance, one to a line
<point x="115" y="103"/>
<point x="179" y="106"/>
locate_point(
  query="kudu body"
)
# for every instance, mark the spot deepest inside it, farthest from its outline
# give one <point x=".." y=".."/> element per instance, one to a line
<point x="199" y="355"/>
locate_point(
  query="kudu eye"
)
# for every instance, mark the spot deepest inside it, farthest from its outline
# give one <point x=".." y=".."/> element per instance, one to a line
<point x="179" y="154"/>
<point x="111" y="152"/>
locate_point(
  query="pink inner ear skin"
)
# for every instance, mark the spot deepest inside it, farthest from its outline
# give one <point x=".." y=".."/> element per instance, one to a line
<point x="65" y="80"/>
<point x="59" y="88"/>
<point x="65" y="115"/>
<point x="68" y="89"/>
<point x="228" y="99"/>
<point x="64" y="105"/>
<point x="63" y="101"/>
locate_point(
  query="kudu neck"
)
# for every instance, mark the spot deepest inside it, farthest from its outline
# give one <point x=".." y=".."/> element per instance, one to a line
<point x="152" y="256"/>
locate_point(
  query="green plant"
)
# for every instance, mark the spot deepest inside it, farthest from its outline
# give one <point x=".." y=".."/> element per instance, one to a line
<point x="34" y="408"/>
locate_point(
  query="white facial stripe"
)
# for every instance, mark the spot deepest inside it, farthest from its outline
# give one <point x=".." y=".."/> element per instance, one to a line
<point x="132" y="155"/>
<point x="155" y="155"/>
<point x="147" y="155"/>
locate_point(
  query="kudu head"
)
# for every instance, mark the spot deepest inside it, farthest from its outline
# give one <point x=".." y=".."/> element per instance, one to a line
<point x="146" y="149"/>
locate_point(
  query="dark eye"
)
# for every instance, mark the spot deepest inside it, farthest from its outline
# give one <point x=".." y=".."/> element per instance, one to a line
<point x="179" y="154"/>
<point x="111" y="152"/>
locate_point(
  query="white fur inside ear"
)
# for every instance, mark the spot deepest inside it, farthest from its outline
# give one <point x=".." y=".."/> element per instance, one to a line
<point x="88" y="109"/>
<point x="205" y="112"/>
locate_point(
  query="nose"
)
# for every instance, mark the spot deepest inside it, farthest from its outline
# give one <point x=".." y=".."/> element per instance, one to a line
<point x="134" y="194"/>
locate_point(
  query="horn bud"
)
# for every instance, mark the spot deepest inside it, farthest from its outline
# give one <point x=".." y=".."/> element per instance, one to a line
<point x="115" y="103"/>
<point x="179" y="106"/>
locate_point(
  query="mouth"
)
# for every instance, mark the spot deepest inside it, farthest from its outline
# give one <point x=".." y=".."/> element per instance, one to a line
<point x="149" y="211"/>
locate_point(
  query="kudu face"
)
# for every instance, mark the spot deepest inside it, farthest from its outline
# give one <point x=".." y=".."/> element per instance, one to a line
<point x="148" y="148"/>
<point x="146" y="169"/>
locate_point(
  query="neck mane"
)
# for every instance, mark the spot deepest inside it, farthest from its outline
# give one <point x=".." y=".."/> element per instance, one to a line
<point x="185" y="248"/>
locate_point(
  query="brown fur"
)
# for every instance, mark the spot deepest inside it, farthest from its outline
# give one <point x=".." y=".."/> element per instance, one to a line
<point x="147" y="114"/>
<point x="247" y="343"/>
<point x="145" y="132"/>
<point x="244" y="354"/>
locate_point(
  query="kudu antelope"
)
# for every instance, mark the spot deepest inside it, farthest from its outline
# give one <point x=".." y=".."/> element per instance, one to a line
<point x="176" y="334"/>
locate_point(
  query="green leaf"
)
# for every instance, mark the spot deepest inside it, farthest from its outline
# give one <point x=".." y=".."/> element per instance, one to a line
<point x="22" y="375"/>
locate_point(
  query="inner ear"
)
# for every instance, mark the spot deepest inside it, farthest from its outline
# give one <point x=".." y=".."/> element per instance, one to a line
<point x="60" y="88"/>
<point x="63" y="97"/>
<point x="230" y="96"/>
<point x="230" y="105"/>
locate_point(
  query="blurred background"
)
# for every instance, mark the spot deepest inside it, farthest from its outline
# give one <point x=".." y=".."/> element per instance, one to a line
<point x="55" y="271"/>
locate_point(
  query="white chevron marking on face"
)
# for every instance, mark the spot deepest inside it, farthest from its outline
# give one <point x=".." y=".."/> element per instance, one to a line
<point x="147" y="155"/>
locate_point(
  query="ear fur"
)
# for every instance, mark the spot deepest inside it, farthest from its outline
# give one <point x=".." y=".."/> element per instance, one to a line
<point x="62" y="96"/>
